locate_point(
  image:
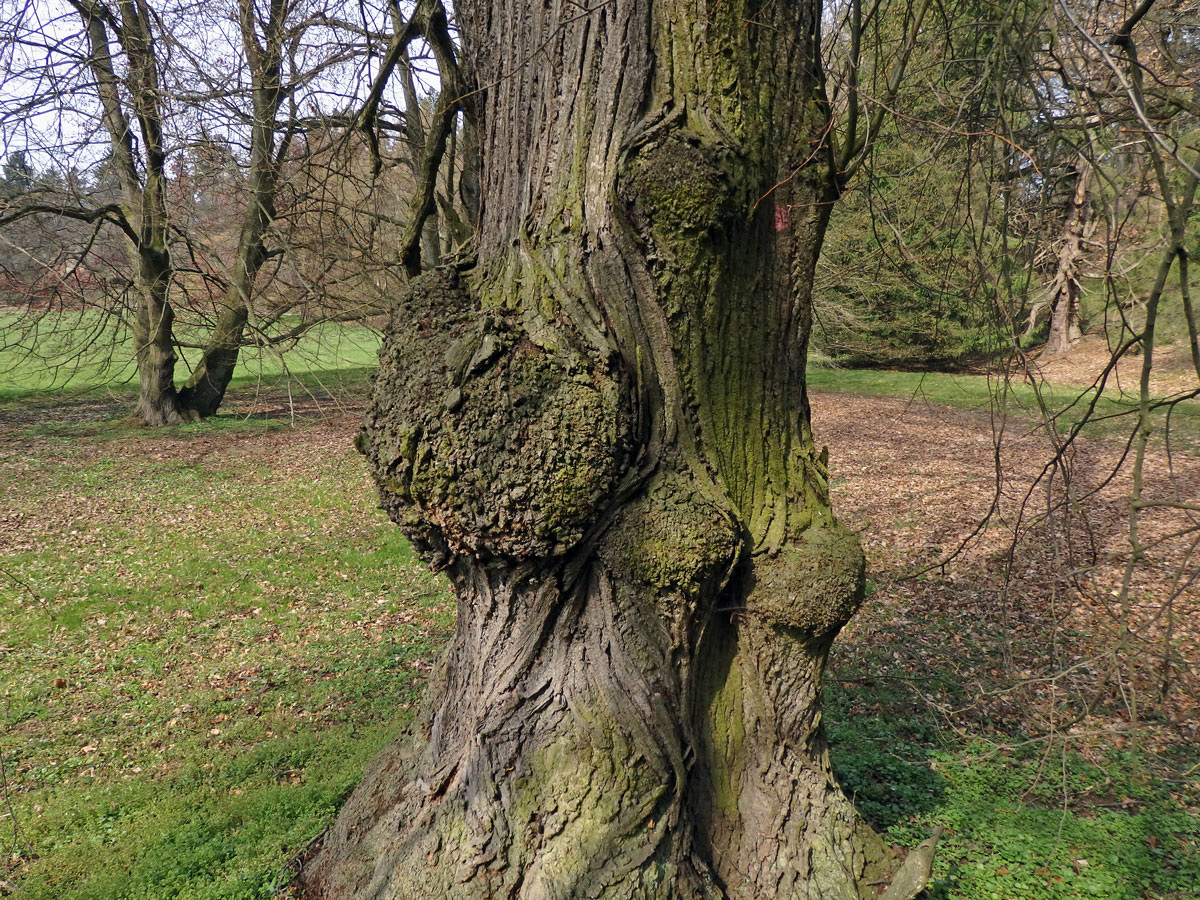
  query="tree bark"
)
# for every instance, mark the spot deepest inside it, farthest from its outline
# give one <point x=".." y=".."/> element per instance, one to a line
<point x="601" y="434"/>
<point x="1064" y="317"/>
<point x="1062" y="296"/>
<point x="143" y="186"/>
<point x="154" y="343"/>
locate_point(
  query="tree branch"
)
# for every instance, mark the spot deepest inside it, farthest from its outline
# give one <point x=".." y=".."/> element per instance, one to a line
<point x="110" y="212"/>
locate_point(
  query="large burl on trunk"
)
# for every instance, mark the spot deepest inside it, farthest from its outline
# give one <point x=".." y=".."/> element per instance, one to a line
<point x="600" y="432"/>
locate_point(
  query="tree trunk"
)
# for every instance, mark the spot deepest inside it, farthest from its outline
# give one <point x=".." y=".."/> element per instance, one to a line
<point x="1064" y="318"/>
<point x="143" y="187"/>
<point x="1062" y="297"/>
<point x="206" y="388"/>
<point x="154" y="342"/>
<point x="601" y="434"/>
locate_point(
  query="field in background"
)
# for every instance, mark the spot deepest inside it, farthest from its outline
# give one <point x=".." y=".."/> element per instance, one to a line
<point x="1067" y="401"/>
<point x="82" y="353"/>
<point x="206" y="632"/>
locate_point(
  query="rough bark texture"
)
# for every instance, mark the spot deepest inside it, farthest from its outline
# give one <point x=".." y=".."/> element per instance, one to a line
<point x="600" y="433"/>
<point x="1062" y="296"/>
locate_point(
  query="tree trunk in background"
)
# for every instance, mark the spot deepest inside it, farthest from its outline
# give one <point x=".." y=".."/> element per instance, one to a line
<point x="1063" y="294"/>
<point x="1065" y="329"/>
<point x="143" y="188"/>
<point x="416" y="136"/>
<point x="601" y="434"/>
<point x="154" y="343"/>
<point x="206" y="388"/>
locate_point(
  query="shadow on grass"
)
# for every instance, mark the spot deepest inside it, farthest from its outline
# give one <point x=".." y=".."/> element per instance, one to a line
<point x="1025" y="815"/>
<point x="280" y="402"/>
<point x="882" y="746"/>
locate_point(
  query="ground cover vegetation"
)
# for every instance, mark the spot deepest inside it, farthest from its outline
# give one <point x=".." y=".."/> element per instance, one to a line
<point x="189" y="692"/>
<point x="595" y="424"/>
<point x="181" y="724"/>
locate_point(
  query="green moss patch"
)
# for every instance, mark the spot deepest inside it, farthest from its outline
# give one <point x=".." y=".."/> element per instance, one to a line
<point x="814" y="584"/>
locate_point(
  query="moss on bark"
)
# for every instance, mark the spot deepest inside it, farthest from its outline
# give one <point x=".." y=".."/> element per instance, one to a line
<point x="813" y="584"/>
<point x="501" y="446"/>
<point x="679" y="186"/>
<point x="603" y="438"/>
<point x="672" y="539"/>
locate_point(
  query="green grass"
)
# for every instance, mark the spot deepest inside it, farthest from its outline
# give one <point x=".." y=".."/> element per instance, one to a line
<point x="206" y="633"/>
<point x="200" y="651"/>
<point x="1020" y="821"/>
<point x="85" y="352"/>
<point x="1113" y="415"/>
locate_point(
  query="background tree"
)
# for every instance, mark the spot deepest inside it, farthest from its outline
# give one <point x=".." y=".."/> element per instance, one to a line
<point x="1076" y="214"/>
<point x="184" y="114"/>
<point x="18" y="174"/>
<point x="1150" y="57"/>
<point x="930" y="256"/>
<point x="1010" y="204"/>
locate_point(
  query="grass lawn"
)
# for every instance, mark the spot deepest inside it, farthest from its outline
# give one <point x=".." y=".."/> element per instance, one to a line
<point x="1114" y="414"/>
<point x="204" y="636"/>
<point x="206" y="632"/>
<point x="326" y="354"/>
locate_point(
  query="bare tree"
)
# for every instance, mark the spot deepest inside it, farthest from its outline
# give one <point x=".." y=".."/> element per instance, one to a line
<point x="134" y="91"/>
<point x="1154" y="69"/>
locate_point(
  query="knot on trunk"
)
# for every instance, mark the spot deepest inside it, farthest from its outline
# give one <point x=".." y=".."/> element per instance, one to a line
<point x="673" y="539"/>
<point x="678" y="188"/>
<point x="814" y="585"/>
<point x="482" y="441"/>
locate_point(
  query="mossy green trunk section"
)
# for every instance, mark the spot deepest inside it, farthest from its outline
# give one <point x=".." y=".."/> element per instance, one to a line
<point x="600" y="433"/>
<point x="490" y="444"/>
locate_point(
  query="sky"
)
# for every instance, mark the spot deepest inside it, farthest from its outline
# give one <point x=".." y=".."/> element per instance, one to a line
<point x="48" y="102"/>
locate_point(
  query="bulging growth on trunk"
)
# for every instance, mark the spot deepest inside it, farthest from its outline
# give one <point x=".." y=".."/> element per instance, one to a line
<point x="600" y="433"/>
